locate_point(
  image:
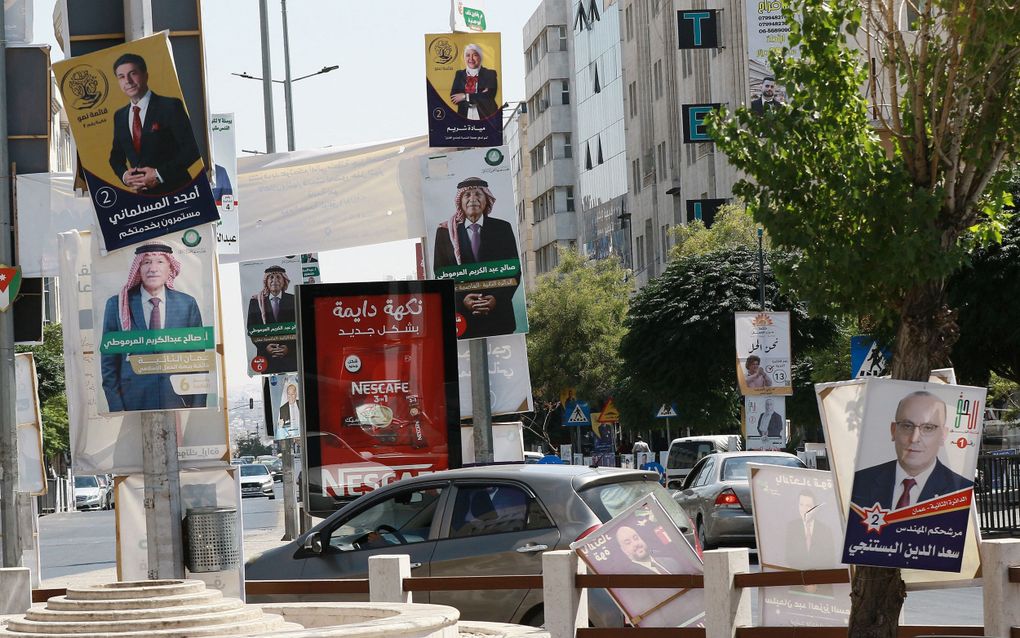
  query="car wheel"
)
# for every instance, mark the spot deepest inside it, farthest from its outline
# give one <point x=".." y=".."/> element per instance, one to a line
<point x="535" y="617"/>
<point x="272" y="497"/>
<point x="702" y="538"/>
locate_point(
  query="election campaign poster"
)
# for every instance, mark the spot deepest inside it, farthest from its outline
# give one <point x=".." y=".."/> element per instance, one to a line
<point x="767" y="31"/>
<point x="763" y="353"/>
<point x="31" y="470"/>
<point x="157" y="344"/>
<point x="645" y="539"/>
<point x="471" y="238"/>
<point x="224" y="183"/>
<point x="281" y="400"/>
<point x="797" y="527"/>
<point x="467" y="15"/>
<point x="765" y="425"/>
<point x="463" y="78"/>
<point x="380" y="396"/>
<point x="113" y="444"/>
<point x="136" y="145"/>
<point x="267" y="300"/>
<point x="913" y="482"/>
<point x="509" y="376"/>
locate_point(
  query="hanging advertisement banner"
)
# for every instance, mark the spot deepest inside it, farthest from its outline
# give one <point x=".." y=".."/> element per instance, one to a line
<point x="913" y="483"/>
<point x="157" y="348"/>
<point x="802" y="504"/>
<point x="467" y="15"/>
<point x="113" y="444"/>
<point x="471" y="231"/>
<point x="135" y="142"/>
<point x="267" y="298"/>
<point x="224" y="183"/>
<point x="462" y="74"/>
<point x="31" y="470"/>
<point x="281" y="400"/>
<point x="379" y="363"/>
<point x="509" y="376"/>
<point x="766" y="31"/>
<point x="644" y="539"/>
<point x="763" y="353"/>
<point x="765" y="426"/>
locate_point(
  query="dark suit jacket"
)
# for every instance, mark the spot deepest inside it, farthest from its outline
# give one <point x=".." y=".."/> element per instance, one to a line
<point x="168" y="143"/>
<point x="285" y="414"/>
<point x="288" y="362"/>
<point x="759" y="107"/>
<point x="484" y="98"/>
<point x="775" y="427"/>
<point x="822" y="552"/>
<point x="667" y="562"/>
<point x="222" y="186"/>
<point x="875" y="484"/>
<point x="497" y="243"/>
<point x="124" y="389"/>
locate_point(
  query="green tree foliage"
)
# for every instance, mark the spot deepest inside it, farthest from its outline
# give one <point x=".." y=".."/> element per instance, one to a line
<point x="250" y="444"/>
<point x="733" y="227"/>
<point x="49" y="368"/>
<point x="680" y="344"/>
<point x="576" y="316"/>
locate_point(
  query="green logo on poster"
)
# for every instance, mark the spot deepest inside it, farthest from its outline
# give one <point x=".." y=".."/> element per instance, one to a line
<point x="494" y="157"/>
<point x="191" y="238"/>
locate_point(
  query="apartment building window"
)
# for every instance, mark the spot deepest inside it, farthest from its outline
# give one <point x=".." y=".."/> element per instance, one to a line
<point x="598" y="85"/>
<point x="568" y="147"/>
<point x="564" y="91"/>
<point x="665" y="240"/>
<point x="562" y="29"/>
<point x="632" y="93"/>
<point x="639" y="249"/>
<point x="657" y="75"/>
<point x="635" y="167"/>
<point x="650" y="244"/>
<point x="570" y="199"/>
<point x="600" y="150"/>
<point x="587" y="156"/>
<point x="630" y="22"/>
<point x="662" y="159"/>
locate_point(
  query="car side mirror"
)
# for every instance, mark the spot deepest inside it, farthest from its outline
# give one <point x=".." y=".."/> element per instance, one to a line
<point x="313" y="543"/>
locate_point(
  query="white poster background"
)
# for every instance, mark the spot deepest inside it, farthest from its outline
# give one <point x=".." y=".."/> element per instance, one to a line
<point x="301" y="269"/>
<point x="199" y="488"/>
<point x="507" y="443"/>
<point x="224" y="179"/>
<point x="509" y="376"/>
<point x="31" y="471"/>
<point x="841" y="407"/>
<point x="113" y="445"/>
<point x="765" y="335"/>
<point x="766" y="31"/>
<point x="754" y="410"/>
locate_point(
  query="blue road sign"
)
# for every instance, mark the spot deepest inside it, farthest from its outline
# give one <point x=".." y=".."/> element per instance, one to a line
<point x="577" y="414"/>
<point x="867" y="358"/>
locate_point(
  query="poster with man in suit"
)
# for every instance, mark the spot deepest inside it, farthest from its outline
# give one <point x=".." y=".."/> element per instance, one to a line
<point x="765" y="423"/>
<point x="158" y="348"/>
<point x="267" y="297"/>
<point x="135" y="142"/>
<point x="913" y="482"/>
<point x="471" y="222"/>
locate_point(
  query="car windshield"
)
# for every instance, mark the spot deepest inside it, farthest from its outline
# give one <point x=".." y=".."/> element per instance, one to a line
<point x="735" y="469"/>
<point x="85" y="481"/>
<point x="254" y="470"/>
<point x="608" y="500"/>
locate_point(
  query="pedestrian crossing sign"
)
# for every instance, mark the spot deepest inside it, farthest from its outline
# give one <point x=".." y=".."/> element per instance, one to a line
<point x="577" y="414"/>
<point x="667" y="411"/>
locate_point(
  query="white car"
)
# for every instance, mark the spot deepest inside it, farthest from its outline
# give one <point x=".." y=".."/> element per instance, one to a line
<point x="256" y="480"/>
<point x="88" y="493"/>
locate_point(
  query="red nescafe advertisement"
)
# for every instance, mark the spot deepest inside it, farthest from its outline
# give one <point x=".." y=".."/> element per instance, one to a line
<point x="379" y="363"/>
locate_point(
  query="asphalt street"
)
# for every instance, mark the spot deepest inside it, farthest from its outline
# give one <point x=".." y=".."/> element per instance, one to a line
<point x="79" y="548"/>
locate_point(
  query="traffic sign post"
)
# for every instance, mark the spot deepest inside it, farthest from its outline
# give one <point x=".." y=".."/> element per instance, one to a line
<point x="667" y="411"/>
<point x="576" y="414"/>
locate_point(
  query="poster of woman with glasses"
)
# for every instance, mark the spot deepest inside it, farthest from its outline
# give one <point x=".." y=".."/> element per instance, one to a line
<point x="914" y="476"/>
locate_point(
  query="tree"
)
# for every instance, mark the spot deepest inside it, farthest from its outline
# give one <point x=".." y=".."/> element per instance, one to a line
<point x="879" y="227"/>
<point x="250" y="444"/>
<point x="680" y="343"/>
<point x="733" y="227"/>
<point x="49" y="368"/>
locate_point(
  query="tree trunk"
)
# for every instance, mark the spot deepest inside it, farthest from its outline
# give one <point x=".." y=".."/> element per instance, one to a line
<point x="925" y="337"/>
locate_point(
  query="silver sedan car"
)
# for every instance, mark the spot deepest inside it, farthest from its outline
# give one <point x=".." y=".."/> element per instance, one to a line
<point x="495" y="520"/>
<point x="717" y="496"/>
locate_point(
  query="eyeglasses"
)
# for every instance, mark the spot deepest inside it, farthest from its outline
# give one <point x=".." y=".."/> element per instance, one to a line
<point x="907" y="428"/>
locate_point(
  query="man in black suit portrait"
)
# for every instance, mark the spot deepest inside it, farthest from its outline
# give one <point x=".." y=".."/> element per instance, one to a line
<point x="636" y="549"/>
<point x="770" y="422"/>
<point x="768" y="99"/>
<point x="269" y="306"/>
<point x="153" y="143"/>
<point x="810" y="543"/>
<point x="474" y="87"/>
<point x="918" y="432"/>
<point x="471" y="236"/>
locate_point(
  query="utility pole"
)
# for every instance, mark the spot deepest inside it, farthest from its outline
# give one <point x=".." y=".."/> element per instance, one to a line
<point x="163" y="513"/>
<point x="761" y="270"/>
<point x="287" y="81"/>
<point x="267" y="77"/>
<point x="12" y="544"/>
<point x="481" y="403"/>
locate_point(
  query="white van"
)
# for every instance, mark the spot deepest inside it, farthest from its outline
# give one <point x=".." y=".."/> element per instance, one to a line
<point x="686" y="451"/>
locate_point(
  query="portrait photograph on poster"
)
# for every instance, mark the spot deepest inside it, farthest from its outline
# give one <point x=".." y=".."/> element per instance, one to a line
<point x="913" y="482"/>
<point x="767" y="31"/>
<point x="645" y="539"/>
<point x="763" y="353"/>
<point x="801" y="503"/>
<point x="379" y="365"/>
<point x="471" y="227"/>
<point x="267" y="297"/>
<point x="136" y="145"/>
<point x="281" y="400"/>
<point x="224" y="182"/>
<point x="765" y="425"/>
<point x="463" y="84"/>
<point x="157" y="347"/>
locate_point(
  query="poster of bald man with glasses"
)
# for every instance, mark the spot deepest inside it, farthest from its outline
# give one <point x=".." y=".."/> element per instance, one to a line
<point x="913" y="484"/>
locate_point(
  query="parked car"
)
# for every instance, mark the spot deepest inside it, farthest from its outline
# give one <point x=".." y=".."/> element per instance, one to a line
<point x="256" y="481"/>
<point x="247" y="459"/>
<point x="88" y="493"/>
<point x="686" y="451"/>
<point x="275" y="468"/>
<point x="717" y="496"/>
<point x="492" y="520"/>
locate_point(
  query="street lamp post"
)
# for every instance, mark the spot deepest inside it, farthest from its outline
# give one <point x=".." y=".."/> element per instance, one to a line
<point x="287" y="95"/>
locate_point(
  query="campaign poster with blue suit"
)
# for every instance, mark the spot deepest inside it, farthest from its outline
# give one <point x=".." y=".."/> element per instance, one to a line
<point x="463" y="83"/>
<point x="136" y="146"/>
<point x="157" y="306"/>
<point x="913" y="482"/>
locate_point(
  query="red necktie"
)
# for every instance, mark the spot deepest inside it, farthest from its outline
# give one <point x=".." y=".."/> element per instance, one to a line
<point x="908" y="484"/>
<point x="154" y="322"/>
<point x="136" y="129"/>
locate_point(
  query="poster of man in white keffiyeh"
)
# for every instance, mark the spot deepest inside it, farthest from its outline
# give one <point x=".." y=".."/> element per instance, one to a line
<point x="267" y="292"/>
<point x="468" y="200"/>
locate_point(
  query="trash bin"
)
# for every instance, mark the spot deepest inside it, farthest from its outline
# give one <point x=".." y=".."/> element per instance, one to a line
<point x="211" y="539"/>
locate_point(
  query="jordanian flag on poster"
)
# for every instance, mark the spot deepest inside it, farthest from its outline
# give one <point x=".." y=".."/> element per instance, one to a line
<point x="10" y="283"/>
